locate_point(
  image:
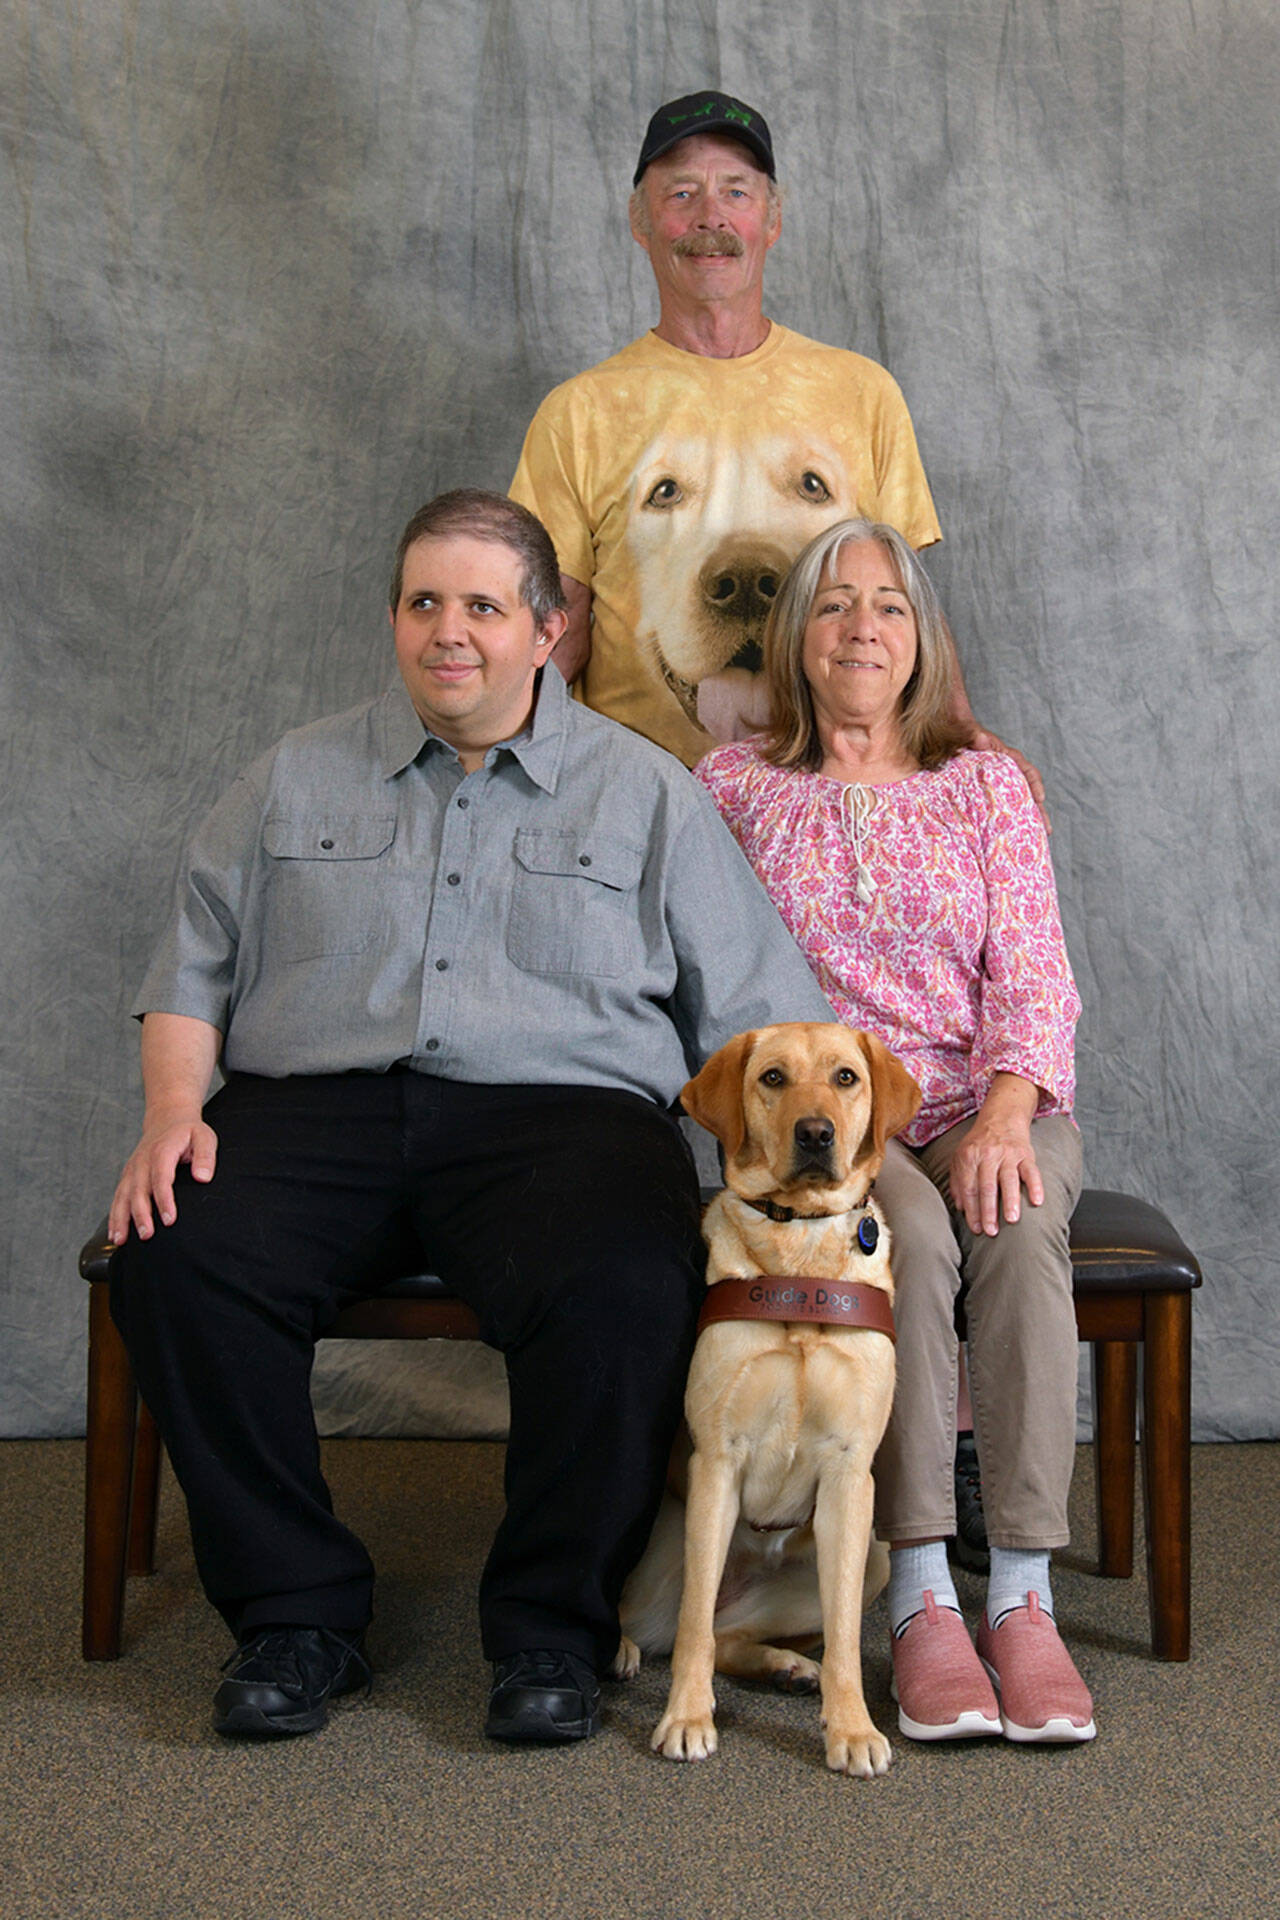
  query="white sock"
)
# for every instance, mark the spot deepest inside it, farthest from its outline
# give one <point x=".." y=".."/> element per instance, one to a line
<point x="1016" y="1572"/>
<point x="912" y="1569"/>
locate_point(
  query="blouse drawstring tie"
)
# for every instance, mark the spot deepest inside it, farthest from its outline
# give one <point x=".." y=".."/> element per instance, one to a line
<point x="855" y="806"/>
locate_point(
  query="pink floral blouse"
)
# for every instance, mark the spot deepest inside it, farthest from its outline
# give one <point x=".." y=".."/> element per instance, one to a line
<point x="957" y="961"/>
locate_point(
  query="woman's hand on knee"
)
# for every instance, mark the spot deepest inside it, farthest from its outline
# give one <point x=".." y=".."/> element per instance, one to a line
<point x="996" y="1160"/>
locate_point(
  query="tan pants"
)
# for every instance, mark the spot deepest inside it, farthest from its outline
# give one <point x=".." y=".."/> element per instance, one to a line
<point x="1022" y="1348"/>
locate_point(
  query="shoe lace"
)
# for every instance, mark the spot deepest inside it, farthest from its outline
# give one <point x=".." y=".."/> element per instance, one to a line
<point x="969" y="1474"/>
<point x="541" y="1664"/>
<point x="290" y="1650"/>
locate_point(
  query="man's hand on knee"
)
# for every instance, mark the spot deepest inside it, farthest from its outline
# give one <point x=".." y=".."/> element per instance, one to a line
<point x="145" y="1188"/>
<point x="179" y="1053"/>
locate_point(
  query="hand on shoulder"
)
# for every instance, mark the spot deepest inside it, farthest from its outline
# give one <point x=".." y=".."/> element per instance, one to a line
<point x="983" y="741"/>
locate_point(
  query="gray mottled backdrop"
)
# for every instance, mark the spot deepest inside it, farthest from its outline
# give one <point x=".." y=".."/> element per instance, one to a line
<point x="273" y="271"/>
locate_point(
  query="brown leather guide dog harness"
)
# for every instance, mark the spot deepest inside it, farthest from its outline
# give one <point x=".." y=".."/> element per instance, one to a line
<point x="784" y="1296"/>
<point x="789" y="1296"/>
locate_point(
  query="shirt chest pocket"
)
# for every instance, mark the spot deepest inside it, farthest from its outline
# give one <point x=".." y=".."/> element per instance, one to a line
<point x="323" y="883"/>
<point x="573" y="904"/>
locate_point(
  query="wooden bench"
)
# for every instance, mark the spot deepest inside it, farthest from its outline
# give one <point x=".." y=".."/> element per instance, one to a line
<point x="1133" y="1283"/>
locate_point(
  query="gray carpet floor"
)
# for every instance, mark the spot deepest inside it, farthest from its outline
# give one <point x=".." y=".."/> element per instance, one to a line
<point x="116" y="1798"/>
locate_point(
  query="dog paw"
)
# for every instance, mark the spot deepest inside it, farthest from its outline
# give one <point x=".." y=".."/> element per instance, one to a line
<point x="677" y="1739"/>
<point x="797" y="1675"/>
<point x="863" y="1752"/>
<point x="626" y="1661"/>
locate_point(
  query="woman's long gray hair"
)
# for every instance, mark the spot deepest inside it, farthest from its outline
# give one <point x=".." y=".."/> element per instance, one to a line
<point x="929" y="734"/>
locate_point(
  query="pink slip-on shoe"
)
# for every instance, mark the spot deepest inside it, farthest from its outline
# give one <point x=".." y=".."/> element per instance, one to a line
<point x="938" y="1681"/>
<point x="1042" y="1697"/>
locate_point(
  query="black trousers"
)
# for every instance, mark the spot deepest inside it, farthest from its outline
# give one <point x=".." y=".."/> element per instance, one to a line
<point x="567" y="1217"/>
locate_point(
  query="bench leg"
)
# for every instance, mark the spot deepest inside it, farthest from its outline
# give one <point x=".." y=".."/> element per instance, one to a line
<point x="146" y="1494"/>
<point x="1166" y="1470"/>
<point x="1115" y="1406"/>
<point x="109" y="1448"/>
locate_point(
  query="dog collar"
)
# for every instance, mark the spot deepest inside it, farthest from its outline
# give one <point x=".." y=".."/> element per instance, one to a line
<point x="772" y="1211"/>
<point x="866" y="1235"/>
<point x="787" y="1296"/>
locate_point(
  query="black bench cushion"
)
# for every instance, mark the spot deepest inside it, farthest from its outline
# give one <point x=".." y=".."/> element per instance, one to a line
<point x="1117" y="1243"/>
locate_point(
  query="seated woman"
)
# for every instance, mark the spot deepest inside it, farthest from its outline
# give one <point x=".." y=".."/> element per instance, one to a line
<point x="915" y="875"/>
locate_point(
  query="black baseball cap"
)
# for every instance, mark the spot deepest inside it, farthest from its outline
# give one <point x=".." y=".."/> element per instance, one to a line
<point x="706" y="113"/>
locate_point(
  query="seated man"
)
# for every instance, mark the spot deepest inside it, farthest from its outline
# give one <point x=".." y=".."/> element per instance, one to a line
<point x="457" y="950"/>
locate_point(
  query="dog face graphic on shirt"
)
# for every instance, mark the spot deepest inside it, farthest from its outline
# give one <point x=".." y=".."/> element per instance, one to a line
<point x="713" y="529"/>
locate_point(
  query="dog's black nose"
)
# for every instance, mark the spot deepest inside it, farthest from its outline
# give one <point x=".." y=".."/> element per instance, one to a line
<point x="737" y="586"/>
<point x="814" y="1136"/>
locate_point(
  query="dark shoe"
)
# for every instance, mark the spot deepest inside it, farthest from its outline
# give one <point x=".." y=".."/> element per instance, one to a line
<point x="970" y="1544"/>
<point x="280" y="1680"/>
<point x="543" y="1697"/>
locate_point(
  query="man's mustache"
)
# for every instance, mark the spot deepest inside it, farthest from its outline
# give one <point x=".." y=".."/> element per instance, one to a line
<point x="707" y="246"/>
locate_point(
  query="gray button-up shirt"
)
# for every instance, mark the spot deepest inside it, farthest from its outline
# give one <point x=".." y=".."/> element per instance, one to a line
<point x="574" y="912"/>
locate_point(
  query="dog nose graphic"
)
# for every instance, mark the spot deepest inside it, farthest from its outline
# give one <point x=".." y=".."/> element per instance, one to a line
<point x="737" y="586"/>
<point x="815" y="1136"/>
<point x="749" y="589"/>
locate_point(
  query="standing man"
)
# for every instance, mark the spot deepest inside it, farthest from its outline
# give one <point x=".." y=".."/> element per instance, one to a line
<point x="680" y="478"/>
<point x="456" y="951"/>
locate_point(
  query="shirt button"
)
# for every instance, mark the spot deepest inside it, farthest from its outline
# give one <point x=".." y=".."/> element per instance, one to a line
<point x="463" y="805"/>
<point x="584" y="859"/>
<point x="326" y="844"/>
<point x="433" y="1046"/>
<point x="454" y="879"/>
<point x="442" y="966"/>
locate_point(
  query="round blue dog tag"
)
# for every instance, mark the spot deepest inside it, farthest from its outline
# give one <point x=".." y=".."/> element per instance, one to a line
<point x="868" y="1233"/>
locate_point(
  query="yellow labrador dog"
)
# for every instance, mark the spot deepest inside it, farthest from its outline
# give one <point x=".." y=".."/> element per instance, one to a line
<point x="784" y="1413"/>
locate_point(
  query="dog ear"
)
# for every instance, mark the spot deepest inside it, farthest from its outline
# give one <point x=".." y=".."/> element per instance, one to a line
<point x="714" y="1097"/>
<point x="895" y="1097"/>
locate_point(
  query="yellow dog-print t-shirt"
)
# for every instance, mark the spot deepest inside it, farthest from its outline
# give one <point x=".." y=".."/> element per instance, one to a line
<point x="680" y="488"/>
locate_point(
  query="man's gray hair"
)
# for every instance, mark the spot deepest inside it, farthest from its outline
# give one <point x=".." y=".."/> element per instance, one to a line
<point x="929" y="734"/>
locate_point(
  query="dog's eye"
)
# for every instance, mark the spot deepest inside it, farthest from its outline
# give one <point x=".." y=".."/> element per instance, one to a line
<point x="814" y="487"/>
<point x="773" y="1077"/>
<point x="846" y="1077"/>
<point x="667" y="493"/>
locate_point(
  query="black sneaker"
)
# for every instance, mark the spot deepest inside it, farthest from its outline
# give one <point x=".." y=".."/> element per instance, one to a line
<point x="281" y="1679"/>
<point x="969" y="1547"/>
<point x="545" y="1697"/>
